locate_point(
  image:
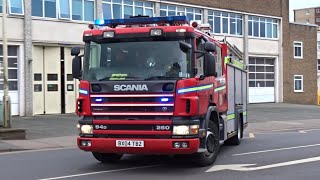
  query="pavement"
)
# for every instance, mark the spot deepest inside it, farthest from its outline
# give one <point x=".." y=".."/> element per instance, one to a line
<point x="43" y="132"/>
<point x="59" y="131"/>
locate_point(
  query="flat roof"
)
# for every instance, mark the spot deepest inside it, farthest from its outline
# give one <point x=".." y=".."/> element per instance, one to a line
<point x="307" y="8"/>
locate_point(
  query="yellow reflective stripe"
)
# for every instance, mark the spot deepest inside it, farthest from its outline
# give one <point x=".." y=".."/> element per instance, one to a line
<point x="220" y="89"/>
<point x="238" y="64"/>
<point x="231" y="116"/>
<point x="245" y="113"/>
<point x="199" y="88"/>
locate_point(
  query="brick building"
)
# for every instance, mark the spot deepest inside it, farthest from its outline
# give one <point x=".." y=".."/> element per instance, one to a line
<point x="307" y="15"/>
<point x="311" y="16"/>
<point x="41" y="34"/>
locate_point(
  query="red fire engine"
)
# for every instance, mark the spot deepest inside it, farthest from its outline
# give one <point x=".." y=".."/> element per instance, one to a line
<point x="156" y="85"/>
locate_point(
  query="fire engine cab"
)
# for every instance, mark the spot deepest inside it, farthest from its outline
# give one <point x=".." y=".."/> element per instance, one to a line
<point x="156" y="85"/>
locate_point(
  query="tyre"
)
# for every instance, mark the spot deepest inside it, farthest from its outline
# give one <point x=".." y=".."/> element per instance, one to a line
<point x="107" y="157"/>
<point x="212" y="147"/>
<point x="236" y="140"/>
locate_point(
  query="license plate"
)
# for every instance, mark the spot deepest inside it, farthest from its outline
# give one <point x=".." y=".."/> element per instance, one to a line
<point x="125" y="143"/>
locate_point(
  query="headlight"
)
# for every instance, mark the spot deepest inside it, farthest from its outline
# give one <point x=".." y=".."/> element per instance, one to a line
<point x="186" y="130"/>
<point x="86" y="129"/>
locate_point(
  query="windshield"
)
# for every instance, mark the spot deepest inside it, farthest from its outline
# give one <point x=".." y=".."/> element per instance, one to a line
<point x="147" y="60"/>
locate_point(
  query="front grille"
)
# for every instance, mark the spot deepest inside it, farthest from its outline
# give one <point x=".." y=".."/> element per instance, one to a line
<point x="132" y="105"/>
<point x="139" y="127"/>
<point x="132" y="117"/>
<point x="133" y="109"/>
<point x="129" y="99"/>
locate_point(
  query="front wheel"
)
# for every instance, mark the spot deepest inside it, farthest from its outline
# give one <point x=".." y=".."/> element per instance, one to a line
<point x="107" y="157"/>
<point x="212" y="147"/>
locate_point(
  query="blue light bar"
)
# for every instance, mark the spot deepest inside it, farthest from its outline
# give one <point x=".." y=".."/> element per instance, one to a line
<point x="164" y="99"/>
<point x="141" y="20"/>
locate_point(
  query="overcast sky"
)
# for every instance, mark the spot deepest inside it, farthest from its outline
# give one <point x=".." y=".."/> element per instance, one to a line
<point x="298" y="4"/>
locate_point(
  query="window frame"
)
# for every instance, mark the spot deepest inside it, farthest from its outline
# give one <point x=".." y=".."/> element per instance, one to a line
<point x="294" y="49"/>
<point x="122" y="4"/>
<point x="83" y="11"/>
<point x="9" y="8"/>
<point x="70" y="10"/>
<point x="185" y="11"/>
<point x="294" y="83"/>
<point x="267" y="21"/>
<point x="15" y="56"/>
<point x="237" y="17"/>
<point x="58" y="11"/>
<point x="318" y="65"/>
<point x="44" y="11"/>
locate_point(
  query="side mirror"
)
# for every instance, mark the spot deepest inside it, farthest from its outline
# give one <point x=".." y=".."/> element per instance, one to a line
<point x="75" y="51"/>
<point x="209" y="65"/>
<point x="184" y="46"/>
<point x="210" y="47"/>
<point x="76" y="67"/>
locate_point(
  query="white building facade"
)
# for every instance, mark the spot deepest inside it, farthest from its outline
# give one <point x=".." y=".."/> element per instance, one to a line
<point x="42" y="32"/>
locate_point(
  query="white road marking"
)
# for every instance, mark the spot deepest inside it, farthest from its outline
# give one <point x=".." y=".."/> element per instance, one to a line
<point x="308" y="130"/>
<point x="35" y="150"/>
<point x="293" y="130"/>
<point x="273" y="150"/>
<point x="251" y="135"/>
<point x="302" y="131"/>
<point x="287" y="122"/>
<point x="244" y="167"/>
<point x="99" y="172"/>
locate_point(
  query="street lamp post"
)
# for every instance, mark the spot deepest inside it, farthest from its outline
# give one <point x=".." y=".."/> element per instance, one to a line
<point x="6" y="98"/>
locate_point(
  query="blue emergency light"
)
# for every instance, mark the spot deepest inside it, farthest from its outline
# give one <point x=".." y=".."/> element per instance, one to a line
<point x="141" y="20"/>
<point x="164" y="99"/>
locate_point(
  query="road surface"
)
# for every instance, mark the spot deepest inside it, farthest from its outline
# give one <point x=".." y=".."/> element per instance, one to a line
<point x="288" y="154"/>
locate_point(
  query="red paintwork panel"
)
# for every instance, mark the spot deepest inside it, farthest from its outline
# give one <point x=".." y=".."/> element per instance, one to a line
<point x="85" y="98"/>
<point x="132" y="132"/>
<point x="97" y="32"/>
<point x="151" y="146"/>
<point x="146" y="122"/>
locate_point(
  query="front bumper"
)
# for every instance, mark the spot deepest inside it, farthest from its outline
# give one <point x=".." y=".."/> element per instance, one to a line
<point x="151" y="146"/>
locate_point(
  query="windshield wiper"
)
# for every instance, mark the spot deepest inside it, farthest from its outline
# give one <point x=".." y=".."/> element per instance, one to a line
<point x="160" y="78"/>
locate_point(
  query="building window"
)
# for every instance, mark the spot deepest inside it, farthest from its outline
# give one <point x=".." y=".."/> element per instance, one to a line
<point x="117" y="9"/>
<point x="12" y="68"/>
<point x="64" y="10"/>
<point x="263" y="27"/>
<point x="318" y="45"/>
<point x="44" y="8"/>
<point x="82" y="10"/>
<point x="298" y="50"/>
<point x="261" y="72"/>
<point x="318" y="11"/>
<point x="298" y="83"/>
<point x="318" y="64"/>
<point x="318" y="19"/>
<point x="191" y="13"/>
<point x="307" y="12"/>
<point x="15" y="6"/>
<point x="225" y="23"/>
